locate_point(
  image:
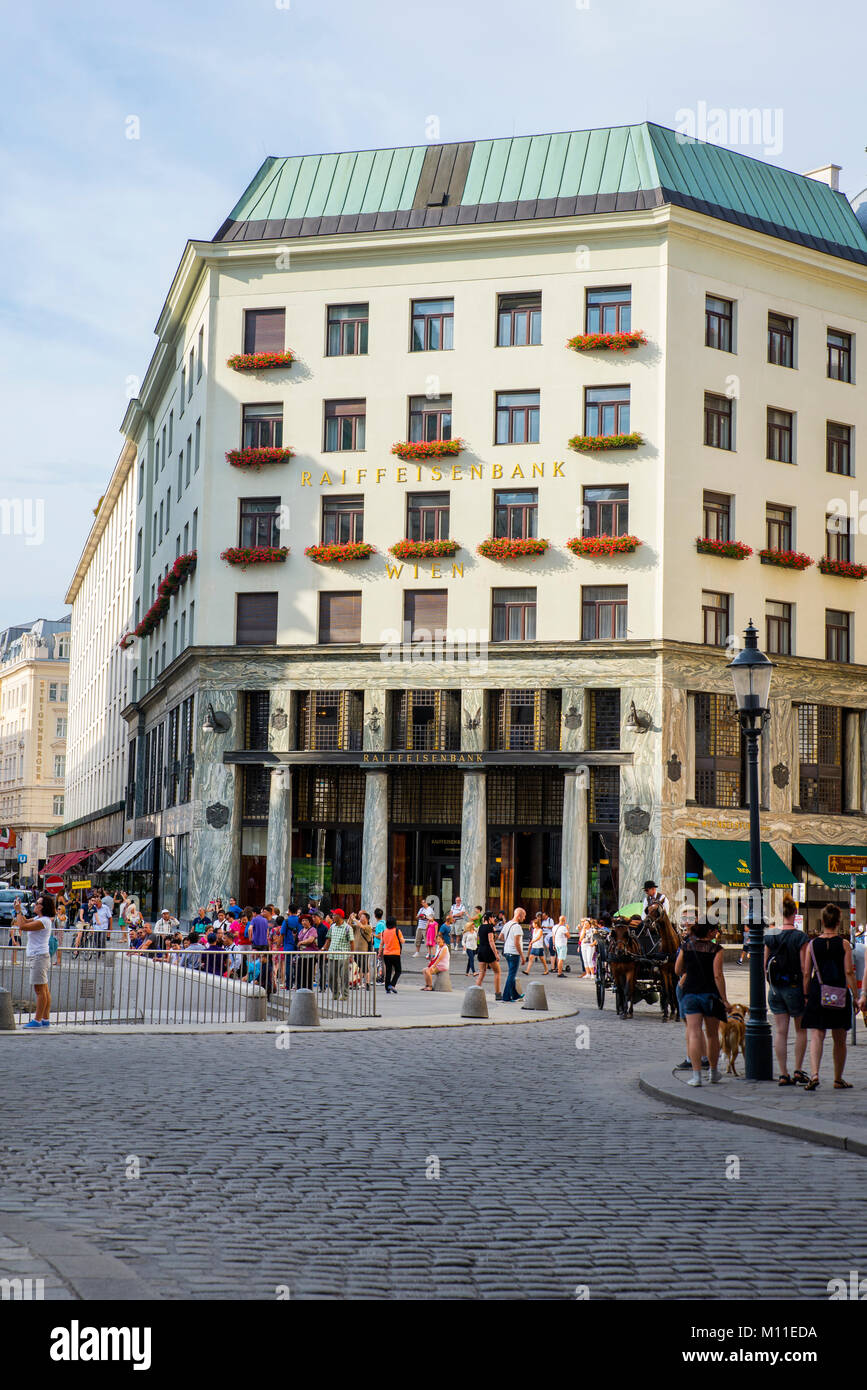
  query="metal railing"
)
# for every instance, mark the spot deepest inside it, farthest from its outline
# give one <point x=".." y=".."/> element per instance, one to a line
<point x="114" y="985"/>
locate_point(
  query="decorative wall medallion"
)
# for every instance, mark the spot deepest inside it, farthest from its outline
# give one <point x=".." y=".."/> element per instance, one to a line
<point x="674" y="768"/>
<point x="217" y="815"/>
<point x="572" y="718"/>
<point x="636" y="820"/>
<point x="780" y="774"/>
<point x="279" y="719"/>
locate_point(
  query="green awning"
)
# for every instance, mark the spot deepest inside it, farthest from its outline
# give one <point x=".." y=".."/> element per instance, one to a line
<point x="729" y="861"/>
<point x="817" y="858"/>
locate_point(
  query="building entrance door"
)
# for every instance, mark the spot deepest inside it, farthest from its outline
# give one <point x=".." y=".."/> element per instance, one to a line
<point x="441" y="862"/>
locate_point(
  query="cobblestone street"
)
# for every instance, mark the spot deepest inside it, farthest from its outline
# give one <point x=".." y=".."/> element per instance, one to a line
<point x="305" y="1167"/>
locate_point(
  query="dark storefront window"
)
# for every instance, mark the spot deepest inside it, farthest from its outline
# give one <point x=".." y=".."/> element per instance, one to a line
<point x="820" y="748"/>
<point x="524" y="719"/>
<point x="330" y="719"/>
<point x="718" y="758"/>
<point x="426" y="719"/>
<point x="604" y="719"/>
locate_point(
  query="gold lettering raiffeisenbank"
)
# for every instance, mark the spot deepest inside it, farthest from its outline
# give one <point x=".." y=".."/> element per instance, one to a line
<point x="440" y="759"/>
<point x="457" y="473"/>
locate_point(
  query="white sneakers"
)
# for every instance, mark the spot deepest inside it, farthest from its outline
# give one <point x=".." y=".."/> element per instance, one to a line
<point x="695" y="1079"/>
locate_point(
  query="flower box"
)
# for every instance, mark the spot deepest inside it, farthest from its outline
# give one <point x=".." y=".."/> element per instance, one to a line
<point x="423" y="550"/>
<point x="258" y="458"/>
<point x="606" y="342"/>
<point x="844" y="569"/>
<point x="504" y="549"/>
<point x="603" y="545"/>
<point x="126" y="641"/>
<point x="339" y="552"/>
<point x="259" y="361"/>
<point x="786" y="559"/>
<point x="727" y="550"/>
<point x="418" y="450"/>
<point x="177" y="575"/>
<point x="245" y="555"/>
<point x="589" y="443"/>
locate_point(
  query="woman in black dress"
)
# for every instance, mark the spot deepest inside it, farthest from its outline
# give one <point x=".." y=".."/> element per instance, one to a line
<point x="827" y="960"/>
<point x="488" y="955"/>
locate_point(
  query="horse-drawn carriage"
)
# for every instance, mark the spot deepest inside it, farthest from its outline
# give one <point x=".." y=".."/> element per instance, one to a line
<point x="636" y="961"/>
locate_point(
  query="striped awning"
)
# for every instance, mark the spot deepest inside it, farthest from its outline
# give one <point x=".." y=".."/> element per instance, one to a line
<point x="135" y="854"/>
<point x="60" y="863"/>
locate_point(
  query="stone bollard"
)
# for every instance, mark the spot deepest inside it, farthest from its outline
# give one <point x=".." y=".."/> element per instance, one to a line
<point x="304" y="1010"/>
<point x="442" y="983"/>
<point x="7" y="1016"/>
<point x="256" y="1004"/>
<point x="535" y="997"/>
<point x="475" y="1003"/>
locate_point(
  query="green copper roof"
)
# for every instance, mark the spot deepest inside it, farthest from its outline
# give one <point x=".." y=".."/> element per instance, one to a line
<point x="619" y="169"/>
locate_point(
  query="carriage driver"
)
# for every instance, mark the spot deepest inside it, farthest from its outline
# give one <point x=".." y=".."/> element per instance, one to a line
<point x="653" y="896"/>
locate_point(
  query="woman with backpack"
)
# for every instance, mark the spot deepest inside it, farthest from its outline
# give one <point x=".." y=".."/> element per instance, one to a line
<point x="785" y="993"/>
<point x="827" y="968"/>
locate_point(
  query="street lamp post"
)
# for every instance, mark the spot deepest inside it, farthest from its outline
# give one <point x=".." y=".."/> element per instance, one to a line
<point x="751" y="677"/>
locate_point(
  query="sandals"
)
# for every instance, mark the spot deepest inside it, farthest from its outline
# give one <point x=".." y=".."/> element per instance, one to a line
<point x="842" y="1085"/>
<point x="785" y="1080"/>
<point x="800" y="1078"/>
<point x="813" y="1084"/>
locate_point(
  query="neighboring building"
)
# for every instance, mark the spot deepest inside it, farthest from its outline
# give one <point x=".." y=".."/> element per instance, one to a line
<point x="34" y="679"/>
<point x="101" y="598"/>
<point x="427" y="295"/>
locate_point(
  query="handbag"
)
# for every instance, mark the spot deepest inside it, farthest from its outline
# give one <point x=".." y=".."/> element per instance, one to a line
<point x="830" y="996"/>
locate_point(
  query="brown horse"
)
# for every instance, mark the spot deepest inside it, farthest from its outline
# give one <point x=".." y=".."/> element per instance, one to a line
<point x="624" y="952"/>
<point x="664" y="944"/>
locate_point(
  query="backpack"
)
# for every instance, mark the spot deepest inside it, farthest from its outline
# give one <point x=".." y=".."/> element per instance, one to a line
<point x="784" y="965"/>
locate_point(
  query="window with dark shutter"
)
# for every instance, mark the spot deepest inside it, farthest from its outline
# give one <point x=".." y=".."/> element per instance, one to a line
<point x="256" y="620"/>
<point x="339" y="618"/>
<point x="265" y="330"/>
<point x="424" y="615"/>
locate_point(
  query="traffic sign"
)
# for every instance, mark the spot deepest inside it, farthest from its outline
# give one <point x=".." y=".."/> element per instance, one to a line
<point x="22" y="859"/>
<point x="54" y="885"/>
<point x="82" y="883"/>
<point x="846" y="864"/>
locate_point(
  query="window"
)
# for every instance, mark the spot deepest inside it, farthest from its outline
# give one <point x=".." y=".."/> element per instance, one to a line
<point x="716" y="618"/>
<point x="427" y="516"/>
<point x="603" y="730"/>
<point x="198" y="443"/>
<point x="781" y="340"/>
<point x="60" y="726"/>
<point x="57" y="806"/>
<point x="201" y="354"/>
<point x="163" y="452"/>
<point x="839" y="537"/>
<point x="518" y="720"/>
<point x="157" y="456"/>
<point x="162" y="515"/>
<point x="186" y="537"/>
<point x="606" y="511"/>
<point x="344" y="425"/>
<point x="259" y="521"/>
<point x="154" y="535"/>
<point x="820" y="748"/>
<point x="193" y="621"/>
<point x="171" y="435"/>
<point x="52" y="691"/>
<point x="141" y="478"/>
<point x="780" y="435"/>
<point x="64" y="692"/>
<point x="263" y="426"/>
<point x="609" y="311"/>
<point x="514" y="615"/>
<point x="342" y="520"/>
<point x="838" y="448"/>
<point x="718" y="763"/>
<point x="519" y="319"/>
<point x="718" y="315"/>
<point x="178" y="546"/>
<point x="432" y="325"/>
<point x="330" y="719"/>
<point x="778" y="527"/>
<point x="195" y="526"/>
<point x="265" y="330"/>
<point x="424" y="615"/>
<point x="426" y="719"/>
<point x="190" y="370"/>
<point x="606" y="410"/>
<point x="183" y="390"/>
<point x="717" y="511"/>
<point x="778" y="628"/>
<point x="717" y="421"/>
<point x="180" y="473"/>
<point x="347" y="330"/>
<point x="838" y="635"/>
<point x="430" y="419"/>
<point x="256" y="624"/>
<point x="168" y="510"/>
<point x="603" y="612"/>
<point x="138" y="550"/>
<point x="517" y="417"/>
<point x="516" y="514"/>
<point x="339" y="618"/>
<point x="839" y="355"/>
<point x="189" y="456"/>
<point x="60" y="764"/>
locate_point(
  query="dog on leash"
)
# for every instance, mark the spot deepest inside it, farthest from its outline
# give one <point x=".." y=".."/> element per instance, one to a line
<point x="732" y="1034"/>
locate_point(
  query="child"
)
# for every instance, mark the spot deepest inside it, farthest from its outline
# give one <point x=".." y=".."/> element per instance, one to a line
<point x="470" y="943"/>
<point x="430" y="936"/>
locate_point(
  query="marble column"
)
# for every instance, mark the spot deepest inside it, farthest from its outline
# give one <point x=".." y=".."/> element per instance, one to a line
<point x="278" y="870"/>
<point x="474" y="733"/>
<point x="851" y="762"/>
<point x="214" y="859"/>
<point x="573" y="719"/>
<point x="375" y="722"/>
<point x="641" y="794"/>
<point x="374" y="842"/>
<point x="575" y="851"/>
<point x="474" y="841"/>
<point x="779" y="736"/>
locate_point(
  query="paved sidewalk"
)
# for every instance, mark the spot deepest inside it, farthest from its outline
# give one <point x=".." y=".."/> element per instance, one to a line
<point x="53" y="1264"/>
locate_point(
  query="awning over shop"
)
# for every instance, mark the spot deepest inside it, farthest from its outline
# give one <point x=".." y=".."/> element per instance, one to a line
<point x="729" y="861"/>
<point x="60" y="863"/>
<point x="817" y="857"/>
<point x="134" y="855"/>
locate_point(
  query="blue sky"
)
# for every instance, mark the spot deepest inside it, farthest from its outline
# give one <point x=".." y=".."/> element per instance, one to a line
<point x="92" y="224"/>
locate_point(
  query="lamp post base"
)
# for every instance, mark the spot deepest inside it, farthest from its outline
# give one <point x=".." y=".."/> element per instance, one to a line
<point x="758" y="1052"/>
